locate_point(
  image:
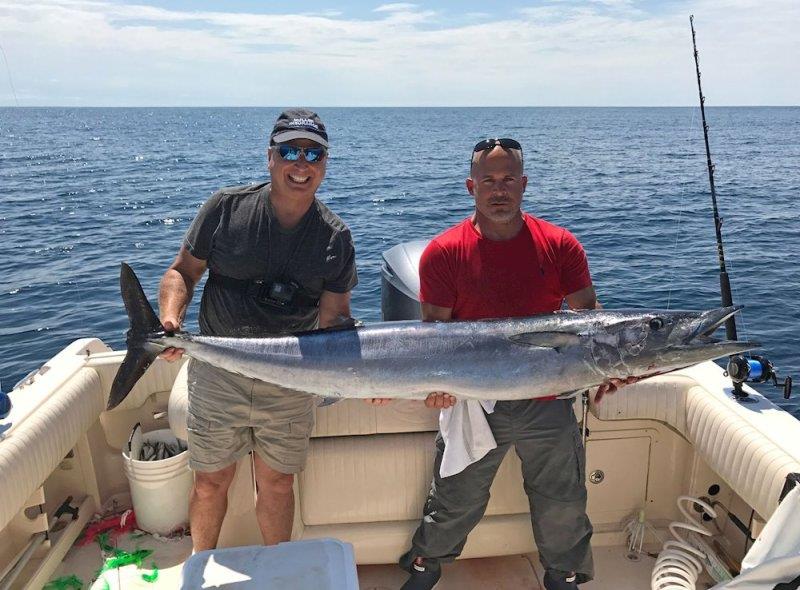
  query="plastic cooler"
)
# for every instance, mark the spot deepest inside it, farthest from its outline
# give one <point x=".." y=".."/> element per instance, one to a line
<point x="315" y="564"/>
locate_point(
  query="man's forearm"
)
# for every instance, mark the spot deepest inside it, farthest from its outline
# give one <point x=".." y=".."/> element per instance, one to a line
<point x="174" y="295"/>
<point x="334" y="309"/>
<point x="583" y="299"/>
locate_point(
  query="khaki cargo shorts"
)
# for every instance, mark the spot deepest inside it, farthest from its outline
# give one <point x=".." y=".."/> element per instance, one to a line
<point x="231" y="415"/>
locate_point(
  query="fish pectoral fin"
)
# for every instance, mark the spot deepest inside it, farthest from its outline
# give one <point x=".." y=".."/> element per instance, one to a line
<point x="327" y="401"/>
<point x="556" y="340"/>
<point x="570" y="394"/>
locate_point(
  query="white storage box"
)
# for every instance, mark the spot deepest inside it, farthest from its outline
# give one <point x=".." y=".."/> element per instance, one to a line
<point x="316" y="564"/>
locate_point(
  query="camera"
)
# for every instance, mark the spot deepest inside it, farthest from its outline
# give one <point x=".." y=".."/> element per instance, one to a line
<point x="277" y="294"/>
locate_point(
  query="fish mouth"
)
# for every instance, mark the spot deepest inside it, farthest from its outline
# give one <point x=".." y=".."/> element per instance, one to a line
<point x="709" y="322"/>
<point x="699" y="340"/>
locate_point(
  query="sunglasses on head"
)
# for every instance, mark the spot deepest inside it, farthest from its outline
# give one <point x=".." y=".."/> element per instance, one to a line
<point x="504" y="142"/>
<point x="488" y="144"/>
<point x="291" y="153"/>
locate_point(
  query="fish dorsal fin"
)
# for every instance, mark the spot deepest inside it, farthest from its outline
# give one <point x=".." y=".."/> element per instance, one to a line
<point x="556" y="340"/>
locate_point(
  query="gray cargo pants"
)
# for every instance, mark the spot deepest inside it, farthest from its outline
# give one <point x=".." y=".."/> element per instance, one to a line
<point x="548" y="442"/>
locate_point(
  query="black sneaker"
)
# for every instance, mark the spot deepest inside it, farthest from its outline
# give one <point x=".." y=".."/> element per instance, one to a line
<point x="555" y="580"/>
<point x="422" y="578"/>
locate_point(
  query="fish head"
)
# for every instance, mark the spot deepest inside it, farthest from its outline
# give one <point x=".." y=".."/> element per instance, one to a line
<point x="656" y="342"/>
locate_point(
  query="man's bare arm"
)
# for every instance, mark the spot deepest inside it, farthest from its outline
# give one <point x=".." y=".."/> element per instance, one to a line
<point x="333" y="308"/>
<point x="434" y="313"/>
<point x="583" y="299"/>
<point x="175" y="293"/>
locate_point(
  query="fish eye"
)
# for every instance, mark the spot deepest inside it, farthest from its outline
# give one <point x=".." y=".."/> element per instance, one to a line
<point x="656" y="324"/>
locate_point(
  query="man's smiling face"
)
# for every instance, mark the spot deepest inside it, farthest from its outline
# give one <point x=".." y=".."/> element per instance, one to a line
<point x="296" y="178"/>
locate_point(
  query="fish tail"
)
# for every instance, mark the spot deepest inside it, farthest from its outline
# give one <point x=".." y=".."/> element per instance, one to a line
<point x="144" y="324"/>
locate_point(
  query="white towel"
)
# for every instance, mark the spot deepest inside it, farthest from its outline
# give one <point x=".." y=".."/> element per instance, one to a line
<point x="775" y="556"/>
<point x="466" y="434"/>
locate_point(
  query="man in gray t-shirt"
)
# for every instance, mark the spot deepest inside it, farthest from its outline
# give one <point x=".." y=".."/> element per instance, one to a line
<point x="279" y="261"/>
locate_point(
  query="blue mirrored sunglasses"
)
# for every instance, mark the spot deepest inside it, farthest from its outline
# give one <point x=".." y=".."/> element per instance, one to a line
<point x="291" y="153"/>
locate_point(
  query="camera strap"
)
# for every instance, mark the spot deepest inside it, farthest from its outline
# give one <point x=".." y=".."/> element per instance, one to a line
<point x="253" y="288"/>
<point x="306" y="221"/>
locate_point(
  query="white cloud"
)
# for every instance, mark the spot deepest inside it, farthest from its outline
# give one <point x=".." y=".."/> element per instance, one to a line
<point x="478" y="15"/>
<point x="613" y="3"/>
<point x="569" y="53"/>
<point x="396" y="7"/>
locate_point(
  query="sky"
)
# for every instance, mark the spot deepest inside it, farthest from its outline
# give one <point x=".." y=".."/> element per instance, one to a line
<point x="361" y="53"/>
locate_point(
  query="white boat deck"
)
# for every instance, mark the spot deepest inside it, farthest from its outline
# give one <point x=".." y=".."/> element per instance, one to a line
<point x="614" y="571"/>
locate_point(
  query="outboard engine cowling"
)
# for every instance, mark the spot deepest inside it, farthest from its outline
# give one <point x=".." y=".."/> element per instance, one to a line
<point x="400" y="281"/>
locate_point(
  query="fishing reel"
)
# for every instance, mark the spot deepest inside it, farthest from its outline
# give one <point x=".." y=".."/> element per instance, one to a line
<point x="756" y="369"/>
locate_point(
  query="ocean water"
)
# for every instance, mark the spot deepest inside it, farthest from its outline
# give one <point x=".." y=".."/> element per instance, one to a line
<point x="83" y="189"/>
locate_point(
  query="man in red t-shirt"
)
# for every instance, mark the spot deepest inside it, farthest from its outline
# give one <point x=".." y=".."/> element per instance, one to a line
<point x="502" y="262"/>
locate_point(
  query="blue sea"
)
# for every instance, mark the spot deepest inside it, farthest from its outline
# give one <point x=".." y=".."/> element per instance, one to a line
<point x="83" y="189"/>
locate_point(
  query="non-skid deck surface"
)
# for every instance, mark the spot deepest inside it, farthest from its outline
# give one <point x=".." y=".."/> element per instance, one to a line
<point x="492" y="573"/>
<point x="516" y="572"/>
<point x="168" y="556"/>
<point x="613" y="571"/>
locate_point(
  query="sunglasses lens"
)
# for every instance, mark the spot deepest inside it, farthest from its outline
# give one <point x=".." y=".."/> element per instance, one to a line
<point x="509" y="144"/>
<point x="314" y="154"/>
<point x="483" y="145"/>
<point x="289" y="152"/>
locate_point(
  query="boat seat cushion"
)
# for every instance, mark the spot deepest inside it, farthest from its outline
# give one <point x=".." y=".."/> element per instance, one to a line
<point x="355" y="416"/>
<point x="386" y="477"/>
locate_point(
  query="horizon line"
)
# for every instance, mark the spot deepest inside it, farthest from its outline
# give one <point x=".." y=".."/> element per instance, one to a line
<point x="61" y="106"/>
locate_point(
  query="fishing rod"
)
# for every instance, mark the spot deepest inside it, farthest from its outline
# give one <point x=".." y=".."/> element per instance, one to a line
<point x="756" y="369"/>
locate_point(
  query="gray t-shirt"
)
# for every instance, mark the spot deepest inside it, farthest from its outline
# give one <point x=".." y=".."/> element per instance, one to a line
<point x="240" y="238"/>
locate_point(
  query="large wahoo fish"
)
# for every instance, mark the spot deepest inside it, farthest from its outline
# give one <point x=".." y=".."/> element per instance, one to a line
<point x="503" y="359"/>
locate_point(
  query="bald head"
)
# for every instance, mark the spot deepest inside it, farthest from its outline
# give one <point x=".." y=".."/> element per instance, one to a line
<point x="480" y="158"/>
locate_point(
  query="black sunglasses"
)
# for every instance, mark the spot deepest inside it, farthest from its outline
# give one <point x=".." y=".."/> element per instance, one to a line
<point x="488" y="144"/>
<point x="504" y="142"/>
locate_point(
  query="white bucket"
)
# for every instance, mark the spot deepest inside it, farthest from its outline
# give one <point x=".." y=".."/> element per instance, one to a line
<point x="159" y="489"/>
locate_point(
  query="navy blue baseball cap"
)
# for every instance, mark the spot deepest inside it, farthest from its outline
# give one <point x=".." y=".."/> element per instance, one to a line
<point x="299" y="124"/>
